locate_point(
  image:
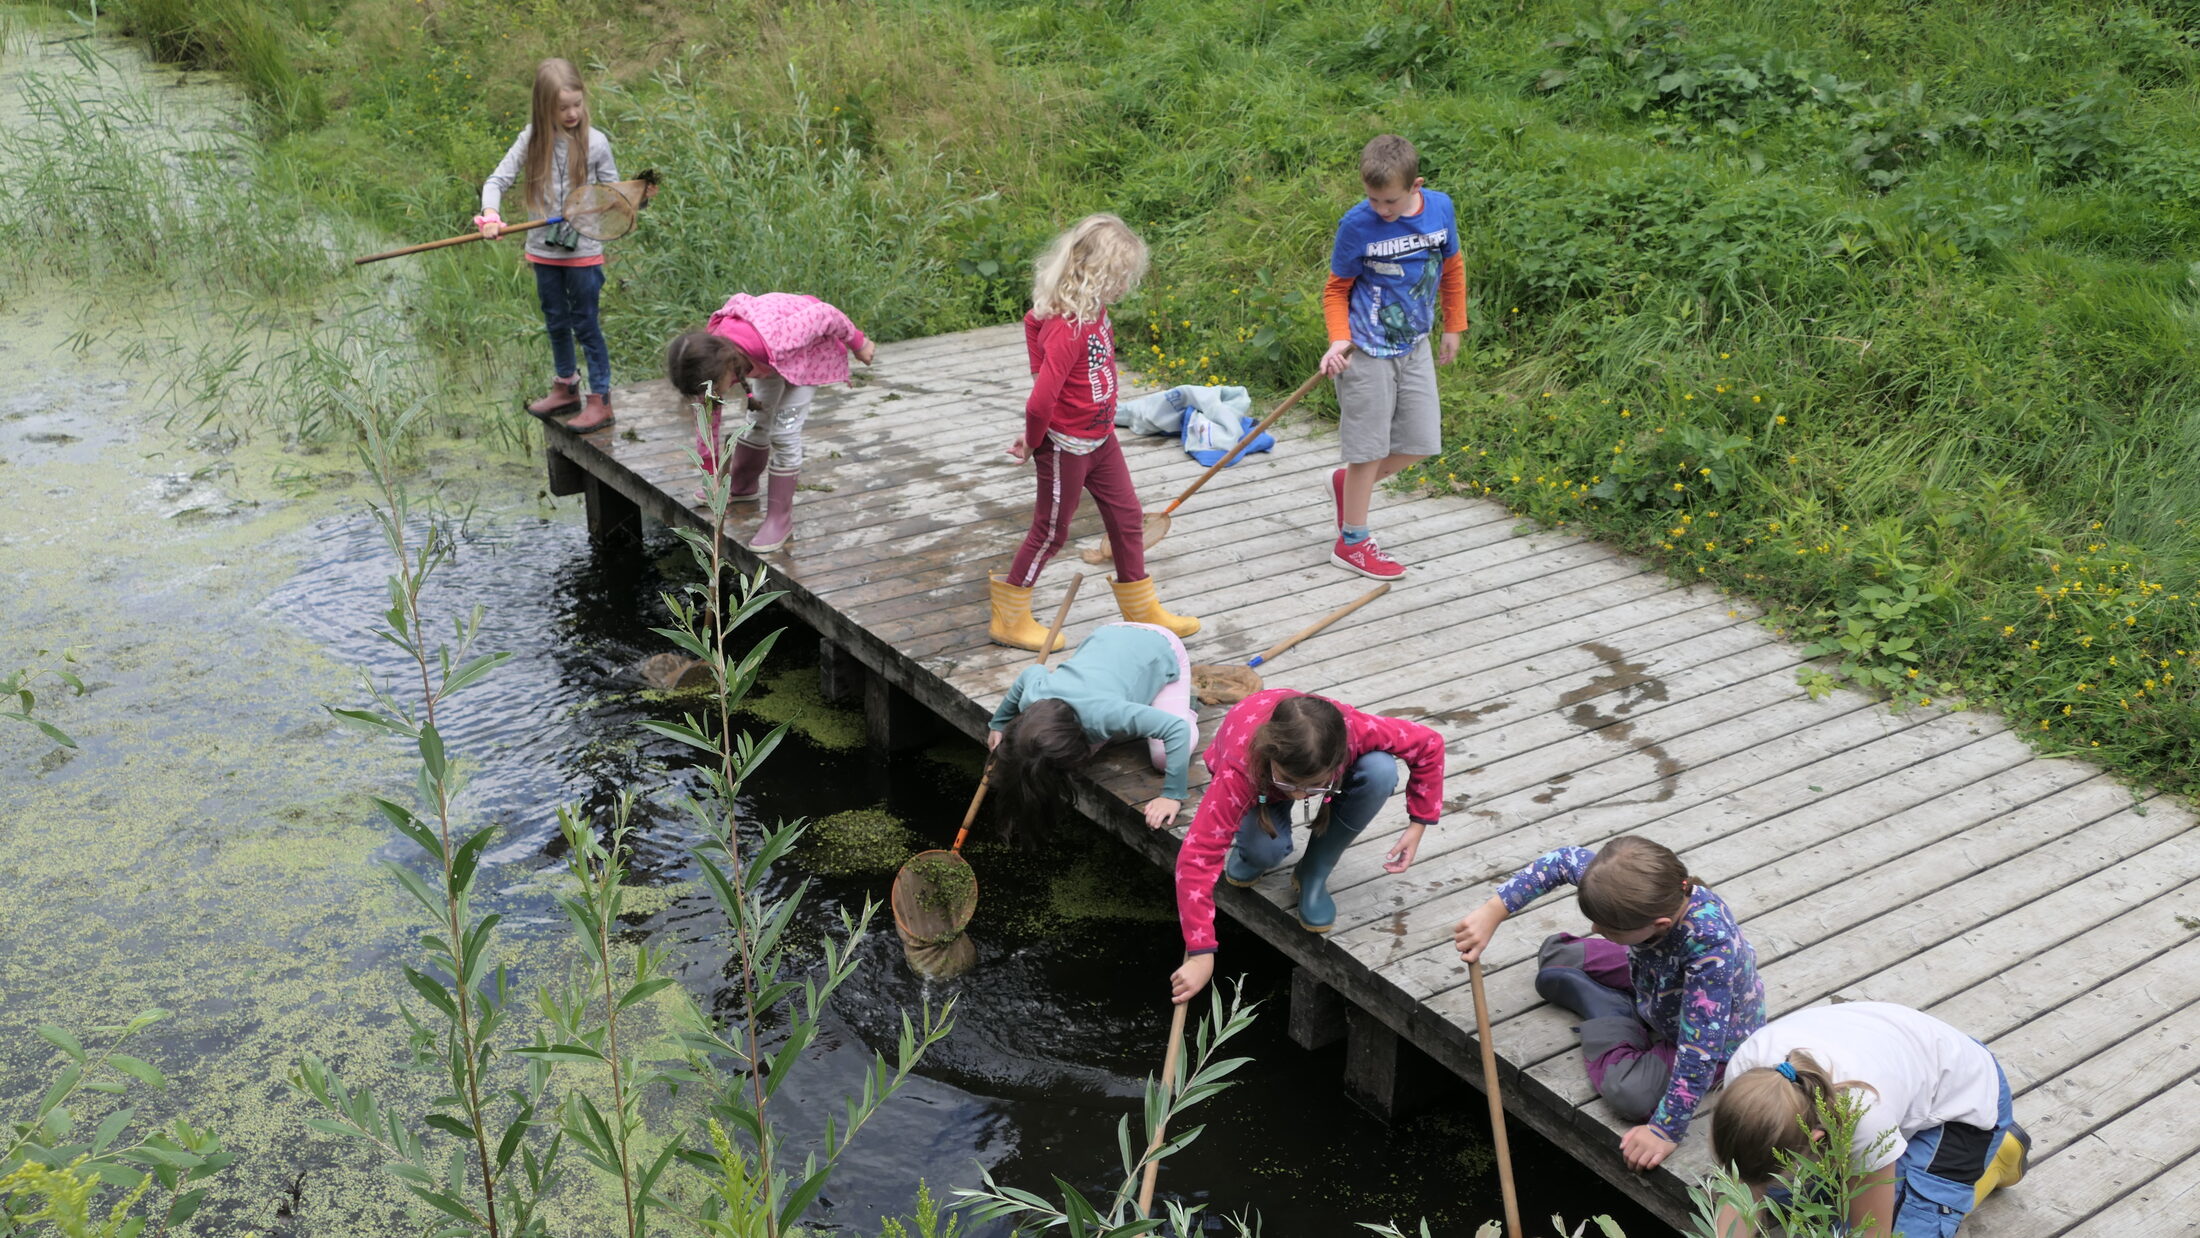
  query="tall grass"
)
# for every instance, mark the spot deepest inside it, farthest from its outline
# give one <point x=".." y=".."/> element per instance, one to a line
<point x="1898" y="296"/>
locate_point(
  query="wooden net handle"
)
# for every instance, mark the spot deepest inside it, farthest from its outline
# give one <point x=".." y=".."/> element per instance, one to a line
<point x="508" y="230"/>
<point x="1168" y="1080"/>
<point x="1321" y="623"/>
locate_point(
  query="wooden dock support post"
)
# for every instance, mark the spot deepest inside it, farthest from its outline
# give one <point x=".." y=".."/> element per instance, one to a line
<point x="1317" y="1015"/>
<point x="840" y="678"/>
<point x="565" y="476"/>
<point x="612" y="517"/>
<point x="892" y="719"/>
<point x="1384" y="1073"/>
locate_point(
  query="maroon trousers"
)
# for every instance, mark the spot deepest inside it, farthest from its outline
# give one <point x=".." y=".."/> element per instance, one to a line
<point x="1062" y="477"/>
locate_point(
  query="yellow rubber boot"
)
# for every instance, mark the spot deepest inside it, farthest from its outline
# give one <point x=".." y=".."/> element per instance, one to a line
<point x="1012" y="622"/>
<point x="2007" y="1168"/>
<point x="1136" y="600"/>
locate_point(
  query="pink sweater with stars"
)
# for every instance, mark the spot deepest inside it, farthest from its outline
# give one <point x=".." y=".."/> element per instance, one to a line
<point x="1231" y="792"/>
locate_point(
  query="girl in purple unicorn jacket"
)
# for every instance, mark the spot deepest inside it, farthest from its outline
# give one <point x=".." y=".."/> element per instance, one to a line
<point x="1664" y="999"/>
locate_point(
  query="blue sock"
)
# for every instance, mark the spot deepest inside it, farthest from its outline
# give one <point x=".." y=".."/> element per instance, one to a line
<point x="1354" y="534"/>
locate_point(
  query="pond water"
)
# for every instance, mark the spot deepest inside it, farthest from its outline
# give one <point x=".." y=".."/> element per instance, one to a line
<point x="209" y="850"/>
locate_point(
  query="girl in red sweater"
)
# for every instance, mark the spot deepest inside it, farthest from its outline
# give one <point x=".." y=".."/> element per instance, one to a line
<point x="1277" y="748"/>
<point x="1069" y="427"/>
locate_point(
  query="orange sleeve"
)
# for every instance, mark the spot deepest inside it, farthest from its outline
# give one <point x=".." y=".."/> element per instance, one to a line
<point x="1451" y="292"/>
<point x="1337" y="306"/>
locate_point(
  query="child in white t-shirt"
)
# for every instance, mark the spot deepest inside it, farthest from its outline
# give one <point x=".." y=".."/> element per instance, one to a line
<point x="1934" y="1132"/>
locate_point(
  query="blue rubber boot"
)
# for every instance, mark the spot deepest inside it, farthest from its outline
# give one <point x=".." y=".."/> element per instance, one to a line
<point x="1572" y="989"/>
<point x="1318" y="911"/>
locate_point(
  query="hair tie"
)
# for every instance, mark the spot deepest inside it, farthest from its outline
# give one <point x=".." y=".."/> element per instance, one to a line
<point x="1787" y="1072"/>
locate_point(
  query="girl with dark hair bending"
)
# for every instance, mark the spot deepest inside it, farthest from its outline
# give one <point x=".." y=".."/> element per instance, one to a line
<point x="1665" y="998"/>
<point x="769" y="353"/>
<point x="1126" y="681"/>
<point x="1275" y="749"/>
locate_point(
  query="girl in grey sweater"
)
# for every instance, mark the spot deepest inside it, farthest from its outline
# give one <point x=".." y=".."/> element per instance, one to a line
<point x="568" y="266"/>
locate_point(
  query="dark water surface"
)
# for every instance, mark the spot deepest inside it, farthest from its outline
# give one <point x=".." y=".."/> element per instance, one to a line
<point x="1061" y="1021"/>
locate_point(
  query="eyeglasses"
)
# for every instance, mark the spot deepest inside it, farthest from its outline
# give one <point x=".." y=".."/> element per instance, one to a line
<point x="1308" y="792"/>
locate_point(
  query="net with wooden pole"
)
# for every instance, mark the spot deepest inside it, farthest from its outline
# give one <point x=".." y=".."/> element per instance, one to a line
<point x="1229" y="684"/>
<point x="935" y="894"/>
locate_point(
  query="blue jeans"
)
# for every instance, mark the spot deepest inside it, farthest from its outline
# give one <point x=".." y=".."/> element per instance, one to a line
<point x="569" y="297"/>
<point x="1367" y="783"/>
<point x="1936" y="1177"/>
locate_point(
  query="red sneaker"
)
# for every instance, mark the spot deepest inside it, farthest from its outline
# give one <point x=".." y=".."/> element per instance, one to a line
<point x="1336" y="487"/>
<point x="1367" y="559"/>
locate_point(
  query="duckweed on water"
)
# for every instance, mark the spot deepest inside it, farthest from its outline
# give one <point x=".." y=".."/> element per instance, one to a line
<point x="858" y="843"/>
<point x="792" y="697"/>
<point x="945" y="885"/>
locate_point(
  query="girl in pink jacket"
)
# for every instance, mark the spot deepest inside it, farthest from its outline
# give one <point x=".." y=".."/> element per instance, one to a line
<point x="1275" y="749"/>
<point x="776" y="349"/>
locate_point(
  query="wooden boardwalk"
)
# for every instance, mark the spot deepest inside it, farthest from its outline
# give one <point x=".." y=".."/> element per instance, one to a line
<point x="1924" y="857"/>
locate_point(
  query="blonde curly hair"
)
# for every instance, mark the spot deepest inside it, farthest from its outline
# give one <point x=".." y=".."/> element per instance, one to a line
<point x="1094" y="264"/>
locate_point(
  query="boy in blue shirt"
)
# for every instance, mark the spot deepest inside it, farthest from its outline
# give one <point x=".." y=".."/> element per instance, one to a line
<point x="1396" y="257"/>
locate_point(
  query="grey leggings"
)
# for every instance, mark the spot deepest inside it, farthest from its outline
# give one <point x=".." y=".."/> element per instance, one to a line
<point x="778" y="424"/>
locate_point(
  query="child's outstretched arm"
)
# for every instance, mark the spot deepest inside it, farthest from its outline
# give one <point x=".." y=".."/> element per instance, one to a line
<point x="1198" y="867"/>
<point x="1550" y="870"/>
<point x="492" y="190"/>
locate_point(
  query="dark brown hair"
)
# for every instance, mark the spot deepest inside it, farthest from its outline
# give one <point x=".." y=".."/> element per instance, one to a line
<point x="1633" y="882"/>
<point x="1038" y="749"/>
<point x="697" y="362"/>
<point x="1389" y="162"/>
<point x="1761" y="1114"/>
<point x="1305" y="737"/>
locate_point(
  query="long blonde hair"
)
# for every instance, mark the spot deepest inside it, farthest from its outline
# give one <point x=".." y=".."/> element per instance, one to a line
<point x="552" y="78"/>
<point x="1762" y="1113"/>
<point x="1094" y="264"/>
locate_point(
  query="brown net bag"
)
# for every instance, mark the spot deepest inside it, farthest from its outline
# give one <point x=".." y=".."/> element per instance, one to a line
<point x="1224" y="685"/>
<point x="934" y="896"/>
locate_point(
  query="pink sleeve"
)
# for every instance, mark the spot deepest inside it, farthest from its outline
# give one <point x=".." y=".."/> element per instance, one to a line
<point x="1048" y="378"/>
<point x="1031" y="341"/>
<point x="1420" y="747"/>
<point x="827" y="321"/>
<point x="1199" y="860"/>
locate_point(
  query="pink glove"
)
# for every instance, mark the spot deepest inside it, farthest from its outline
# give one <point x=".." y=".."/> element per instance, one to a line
<point x="489" y="224"/>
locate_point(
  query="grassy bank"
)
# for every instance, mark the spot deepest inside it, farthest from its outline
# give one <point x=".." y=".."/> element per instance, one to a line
<point x="1881" y="311"/>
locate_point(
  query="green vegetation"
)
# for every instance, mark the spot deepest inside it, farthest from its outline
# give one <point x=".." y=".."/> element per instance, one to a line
<point x="1883" y="311"/>
<point x="862" y="842"/>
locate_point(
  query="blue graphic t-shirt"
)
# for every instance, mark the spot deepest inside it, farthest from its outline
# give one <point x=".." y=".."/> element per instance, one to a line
<point x="1395" y="268"/>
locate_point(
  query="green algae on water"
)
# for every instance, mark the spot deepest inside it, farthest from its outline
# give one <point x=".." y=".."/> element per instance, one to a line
<point x="945" y="885"/>
<point x="792" y="697"/>
<point x="858" y="843"/>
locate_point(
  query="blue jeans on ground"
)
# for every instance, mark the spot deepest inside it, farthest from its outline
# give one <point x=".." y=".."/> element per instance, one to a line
<point x="1936" y="1178"/>
<point x="569" y="296"/>
<point x="1367" y="783"/>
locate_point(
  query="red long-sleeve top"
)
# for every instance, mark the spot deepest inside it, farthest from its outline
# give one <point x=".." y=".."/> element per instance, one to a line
<point x="1073" y="382"/>
<point x="1231" y="791"/>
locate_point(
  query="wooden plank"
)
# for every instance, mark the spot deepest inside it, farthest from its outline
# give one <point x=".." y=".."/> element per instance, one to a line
<point x="2110" y="1164"/>
<point x="1928" y="764"/>
<point x="1991" y="1006"/>
<point x="2162" y="1207"/>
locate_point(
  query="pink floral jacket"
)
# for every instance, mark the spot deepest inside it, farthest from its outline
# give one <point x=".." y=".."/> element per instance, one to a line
<point x="809" y="339"/>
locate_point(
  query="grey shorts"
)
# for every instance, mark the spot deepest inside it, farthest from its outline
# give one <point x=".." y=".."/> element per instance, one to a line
<point x="1387" y="406"/>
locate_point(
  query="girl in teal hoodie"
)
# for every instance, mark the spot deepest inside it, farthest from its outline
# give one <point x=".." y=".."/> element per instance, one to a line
<point x="1126" y="681"/>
